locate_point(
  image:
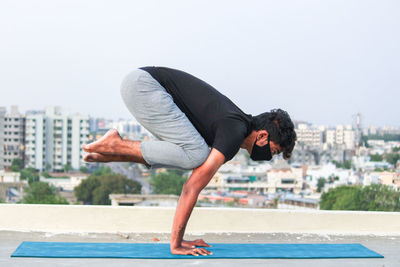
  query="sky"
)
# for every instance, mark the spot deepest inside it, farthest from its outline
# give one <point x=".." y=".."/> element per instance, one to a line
<point x="322" y="61"/>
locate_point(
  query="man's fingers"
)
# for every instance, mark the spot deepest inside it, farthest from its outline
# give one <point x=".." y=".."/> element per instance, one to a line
<point x="201" y="242"/>
<point x="201" y="251"/>
<point x="205" y="252"/>
<point x="208" y="252"/>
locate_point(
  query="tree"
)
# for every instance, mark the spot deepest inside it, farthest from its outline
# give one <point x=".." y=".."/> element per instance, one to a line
<point x="347" y="164"/>
<point x="84" y="191"/>
<point x="341" y="198"/>
<point x="16" y="165"/>
<point x="97" y="188"/>
<point x="392" y="158"/>
<point x="67" y="167"/>
<point x="168" y="182"/>
<point x="46" y="174"/>
<point x="102" y="170"/>
<point x="84" y="169"/>
<point x="42" y="193"/>
<point x="376" y="197"/>
<point x="48" y="167"/>
<point x="29" y="174"/>
<point x="320" y="184"/>
<point x="376" y="157"/>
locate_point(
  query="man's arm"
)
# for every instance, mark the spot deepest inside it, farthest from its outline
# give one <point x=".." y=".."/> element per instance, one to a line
<point x="190" y="191"/>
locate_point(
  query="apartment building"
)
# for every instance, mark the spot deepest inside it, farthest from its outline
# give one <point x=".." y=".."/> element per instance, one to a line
<point x="308" y="135"/>
<point x="14" y="136"/>
<point x="54" y="139"/>
<point x="341" y="135"/>
<point x="2" y="121"/>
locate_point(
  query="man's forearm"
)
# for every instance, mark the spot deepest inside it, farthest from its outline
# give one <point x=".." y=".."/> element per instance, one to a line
<point x="185" y="206"/>
<point x="190" y="191"/>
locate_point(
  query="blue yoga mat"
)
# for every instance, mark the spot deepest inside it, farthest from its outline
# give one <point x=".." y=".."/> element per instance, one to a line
<point x="219" y="250"/>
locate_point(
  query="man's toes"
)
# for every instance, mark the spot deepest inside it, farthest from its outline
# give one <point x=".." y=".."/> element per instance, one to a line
<point x="87" y="148"/>
<point x="87" y="157"/>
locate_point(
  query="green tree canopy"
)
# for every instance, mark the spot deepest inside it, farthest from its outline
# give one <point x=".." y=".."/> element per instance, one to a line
<point x="392" y="158"/>
<point x="169" y="182"/>
<point x="42" y="193"/>
<point x="376" y="157"/>
<point x="345" y="165"/>
<point x="29" y="174"/>
<point x="102" y="170"/>
<point x="84" y="169"/>
<point x="375" y="197"/>
<point x="48" y="167"/>
<point x="16" y="165"/>
<point x="96" y="188"/>
<point x="320" y="184"/>
<point x="67" y="168"/>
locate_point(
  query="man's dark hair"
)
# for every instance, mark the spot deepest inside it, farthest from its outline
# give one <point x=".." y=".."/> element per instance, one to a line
<point x="280" y="128"/>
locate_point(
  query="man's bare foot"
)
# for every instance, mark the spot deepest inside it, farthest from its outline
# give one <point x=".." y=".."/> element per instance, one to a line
<point x="106" y="144"/>
<point x="96" y="157"/>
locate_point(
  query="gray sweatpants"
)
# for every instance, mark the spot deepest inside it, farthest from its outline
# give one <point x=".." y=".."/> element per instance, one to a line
<point x="179" y="144"/>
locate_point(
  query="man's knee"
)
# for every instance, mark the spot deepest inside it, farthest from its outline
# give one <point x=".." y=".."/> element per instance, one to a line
<point x="129" y="84"/>
<point x="197" y="157"/>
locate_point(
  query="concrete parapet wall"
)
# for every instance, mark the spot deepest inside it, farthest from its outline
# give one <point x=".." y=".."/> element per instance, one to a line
<point x="120" y="219"/>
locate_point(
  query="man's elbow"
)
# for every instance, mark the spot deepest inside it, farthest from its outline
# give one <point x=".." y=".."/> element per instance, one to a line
<point x="191" y="189"/>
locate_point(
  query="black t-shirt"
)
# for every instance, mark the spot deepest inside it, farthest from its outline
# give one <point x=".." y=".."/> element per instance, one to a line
<point x="221" y="123"/>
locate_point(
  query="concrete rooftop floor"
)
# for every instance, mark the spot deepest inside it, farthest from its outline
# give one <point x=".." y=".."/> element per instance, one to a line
<point x="388" y="246"/>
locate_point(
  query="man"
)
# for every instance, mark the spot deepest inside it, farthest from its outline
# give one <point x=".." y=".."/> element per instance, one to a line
<point x="188" y="116"/>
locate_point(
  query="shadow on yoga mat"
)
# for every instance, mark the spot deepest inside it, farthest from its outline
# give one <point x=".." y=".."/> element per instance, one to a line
<point x="220" y="250"/>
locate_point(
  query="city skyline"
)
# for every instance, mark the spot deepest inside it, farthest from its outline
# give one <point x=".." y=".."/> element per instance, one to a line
<point x="320" y="61"/>
<point x="70" y="111"/>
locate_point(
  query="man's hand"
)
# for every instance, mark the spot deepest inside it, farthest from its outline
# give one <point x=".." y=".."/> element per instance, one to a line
<point x="195" y="243"/>
<point x="190" y="251"/>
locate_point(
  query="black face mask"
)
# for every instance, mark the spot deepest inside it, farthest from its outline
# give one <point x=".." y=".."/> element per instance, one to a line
<point x="261" y="152"/>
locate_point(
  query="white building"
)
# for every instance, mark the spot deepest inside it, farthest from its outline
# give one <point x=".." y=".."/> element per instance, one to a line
<point x="342" y="135"/>
<point x="54" y="140"/>
<point x="14" y="135"/>
<point x="130" y="128"/>
<point x="9" y="177"/>
<point x="308" y="135"/>
<point x="65" y="184"/>
<point x="283" y="177"/>
<point x="2" y="121"/>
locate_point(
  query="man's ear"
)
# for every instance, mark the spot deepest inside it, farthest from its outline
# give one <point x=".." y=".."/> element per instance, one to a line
<point x="262" y="138"/>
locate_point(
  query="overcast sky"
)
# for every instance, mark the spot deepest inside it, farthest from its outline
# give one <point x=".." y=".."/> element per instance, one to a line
<point x="322" y="61"/>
